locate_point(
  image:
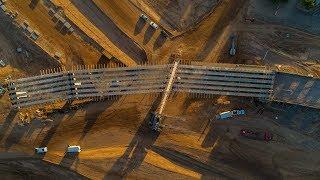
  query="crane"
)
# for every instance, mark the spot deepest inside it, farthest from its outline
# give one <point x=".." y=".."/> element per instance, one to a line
<point x="156" y="117"/>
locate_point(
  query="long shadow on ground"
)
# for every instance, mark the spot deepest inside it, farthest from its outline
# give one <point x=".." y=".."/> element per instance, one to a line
<point x="54" y="128"/>
<point x="142" y="140"/>
<point x="7" y="122"/>
<point x="186" y="161"/>
<point x="110" y="29"/>
<point x="93" y="113"/>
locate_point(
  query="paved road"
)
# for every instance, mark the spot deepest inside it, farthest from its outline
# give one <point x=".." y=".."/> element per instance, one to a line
<point x="297" y="89"/>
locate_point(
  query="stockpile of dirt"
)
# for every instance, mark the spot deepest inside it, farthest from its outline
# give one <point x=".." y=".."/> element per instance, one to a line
<point x="182" y="14"/>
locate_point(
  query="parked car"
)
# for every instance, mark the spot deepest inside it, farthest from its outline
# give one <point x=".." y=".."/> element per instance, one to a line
<point x="154" y="25"/>
<point x="144" y="17"/>
<point x="41" y="150"/>
<point x="256" y="135"/>
<point x="73" y="149"/>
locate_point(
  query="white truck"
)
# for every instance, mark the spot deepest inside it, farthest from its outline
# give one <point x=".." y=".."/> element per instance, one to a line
<point x="73" y="149"/>
<point x="41" y="150"/>
<point x="229" y="114"/>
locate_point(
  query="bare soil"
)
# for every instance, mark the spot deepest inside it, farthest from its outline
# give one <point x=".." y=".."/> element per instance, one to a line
<point x="183" y="14"/>
<point x="116" y="141"/>
<point x="114" y="135"/>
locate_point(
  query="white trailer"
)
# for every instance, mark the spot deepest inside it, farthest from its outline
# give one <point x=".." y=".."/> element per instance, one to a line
<point x="229" y="114"/>
<point x="73" y="149"/>
<point x="41" y="150"/>
<point x="224" y="115"/>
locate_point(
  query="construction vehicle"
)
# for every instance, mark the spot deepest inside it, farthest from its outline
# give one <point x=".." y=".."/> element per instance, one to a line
<point x="256" y="135"/>
<point x="144" y="17"/>
<point x="229" y="114"/>
<point x="2" y="90"/>
<point x="251" y="19"/>
<point x="154" y="25"/>
<point x="41" y="150"/>
<point x="155" y="122"/>
<point x="233" y="45"/>
<point x="2" y="63"/>
<point x="73" y="149"/>
<point x="156" y="117"/>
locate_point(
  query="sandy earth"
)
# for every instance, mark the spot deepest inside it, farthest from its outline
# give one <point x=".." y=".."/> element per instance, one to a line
<point x="181" y="15"/>
<point x="116" y="142"/>
<point x="71" y="47"/>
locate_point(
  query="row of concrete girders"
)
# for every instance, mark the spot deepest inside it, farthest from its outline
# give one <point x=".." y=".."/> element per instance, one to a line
<point x="90" y="83"/>
<point x="87" y="84"/>
<point x="225" y="81"/>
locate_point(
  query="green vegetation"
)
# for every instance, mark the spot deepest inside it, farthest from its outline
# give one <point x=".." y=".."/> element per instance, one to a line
<point x="308" y="4"/>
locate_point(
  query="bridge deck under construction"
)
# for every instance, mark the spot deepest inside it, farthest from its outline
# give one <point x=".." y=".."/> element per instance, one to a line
<point x="216" y="79"/>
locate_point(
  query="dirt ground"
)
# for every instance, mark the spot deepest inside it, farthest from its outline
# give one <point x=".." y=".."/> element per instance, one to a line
<point x="114" y="135"/>
<point x="116" y="141"/>
<point x="73" y="49"/>
<point x="181" y="15"/>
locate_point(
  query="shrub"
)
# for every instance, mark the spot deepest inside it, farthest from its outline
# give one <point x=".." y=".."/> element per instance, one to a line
<point x="308" y="3"/>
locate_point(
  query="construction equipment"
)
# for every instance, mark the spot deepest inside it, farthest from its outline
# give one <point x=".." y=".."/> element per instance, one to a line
<point x="229" y="114"/>
<point x="156" y="117"/>
<point x="41" y="150"/>
<point x="2" y="63"/>
<point x="156" y="122"/>
<point x="257" y="135"/>
<point x="233" y="45"/>
<point x="2" y="90"/>
<point x="144" y="17"/>
<point x="154" y="25"/>
<point x="73" y="149"/>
